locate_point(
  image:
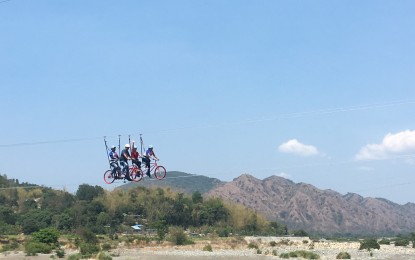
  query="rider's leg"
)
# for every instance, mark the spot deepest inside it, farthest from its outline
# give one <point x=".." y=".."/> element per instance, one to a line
<point x="137" y="163"/>
<point x="126" y="171"/>
<point x="146" y="161"/>
<point x="114" y="167"/>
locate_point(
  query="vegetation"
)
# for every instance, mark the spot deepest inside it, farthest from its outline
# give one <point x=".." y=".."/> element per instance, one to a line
<point x="252" y="245"/>
<point x="300" y="254"/>
<point x="178" y="237"/>
<point x="74" y="257"/>
<point x="343" y="255"/>
<point x="384" y="241"/>
<point x="32" y="209"/>
<point x="33" y="248"/>
<point x="208" y="248"/>
<point x="402" y="242"/>
<point x="103" y="256"/>
<point x="369" y="244"/>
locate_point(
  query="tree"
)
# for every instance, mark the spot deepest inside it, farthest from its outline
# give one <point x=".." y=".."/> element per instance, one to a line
<point x="278" y="229"/>
<point x="197" y="197"/>
<point x="48" y="236"/>
<point x="88" y="193"/>
<point x="213" y="211"/>
<point x="35" y="220"/>
<point x="62" y="221"/>
<point x="369" y="244"/>
<point x="56" y="201"/>
<point x="300" y="233"/>
<point x="7" y="215"/>
<point x="161" y="227"/>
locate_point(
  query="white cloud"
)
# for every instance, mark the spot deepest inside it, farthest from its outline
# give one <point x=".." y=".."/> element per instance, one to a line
<point x="295" y="147"/>
<point x="391" y="144"/>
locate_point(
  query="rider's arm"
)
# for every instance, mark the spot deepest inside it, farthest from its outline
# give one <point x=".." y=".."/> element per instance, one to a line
<point x="155" y="156"/>
<point x="126" y="156"/>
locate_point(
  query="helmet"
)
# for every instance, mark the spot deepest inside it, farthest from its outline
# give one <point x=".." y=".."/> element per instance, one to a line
<point x="127" y="146"/>
<point x="150" y="147"/>
<point x="135" y="147"/>
<point x="113" y="147"/>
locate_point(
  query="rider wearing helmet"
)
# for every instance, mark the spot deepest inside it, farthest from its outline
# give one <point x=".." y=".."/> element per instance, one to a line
<point x="125" y="156"/>
<point x="114" y="160"/>
<point x="146" y="158"/>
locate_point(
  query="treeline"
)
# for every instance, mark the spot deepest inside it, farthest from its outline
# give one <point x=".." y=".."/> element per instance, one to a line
<point x="28" y="210"/>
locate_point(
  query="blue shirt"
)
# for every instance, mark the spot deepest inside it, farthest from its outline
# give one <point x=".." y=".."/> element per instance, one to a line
<point x="113" y="155"/>
<point x="149" y="152"/>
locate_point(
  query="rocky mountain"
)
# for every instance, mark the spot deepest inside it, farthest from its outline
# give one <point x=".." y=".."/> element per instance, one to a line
<point x="303" y="206"/>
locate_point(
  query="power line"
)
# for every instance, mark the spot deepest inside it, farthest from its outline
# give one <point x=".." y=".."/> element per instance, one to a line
<point x="250" y="121"/>
<point x="50" y="142"/>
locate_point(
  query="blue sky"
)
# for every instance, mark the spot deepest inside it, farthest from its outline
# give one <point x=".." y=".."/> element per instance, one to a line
<point x="320" y="92"/>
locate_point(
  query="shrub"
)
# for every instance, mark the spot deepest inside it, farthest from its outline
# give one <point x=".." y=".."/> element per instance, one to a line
<point x="285" y="242"/>
<point x="252" y="245"/>
<point x="285" y="255"/>
<point x="304" y="254"/>
<point x="88" y="249"/>
<point x="258" y="251"/>
<point x="272" y="243"/>
<point x="178" y="237"/>
<point x="369" y="244"/>
<point x="74" y="257"/>
<point x="47" y="236"/>
<point x="224" y="232"/>
<point x="300" y="233"/>
<point x="274" y="252"/>
<point x="10" y="247"/>
<point x="207" y="247"/>
<point x="402" y="242"/>
<point x="103" y="256"/>
<point x="32" y="248"/>
<point x="384" y="241"/>
<point x="60" y="253"/>
<point x="343" y="255"/>
<point x="106" y="247"/>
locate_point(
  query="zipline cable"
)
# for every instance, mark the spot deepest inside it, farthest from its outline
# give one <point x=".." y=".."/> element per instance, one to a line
<point x="278" y="117"/>
<point x="106" y="149"/>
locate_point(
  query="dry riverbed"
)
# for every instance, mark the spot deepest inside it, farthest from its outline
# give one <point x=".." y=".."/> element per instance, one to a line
<point x="238" y="249"/>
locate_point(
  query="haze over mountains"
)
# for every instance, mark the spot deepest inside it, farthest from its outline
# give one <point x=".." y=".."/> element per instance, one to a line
<point x="300" y="205"/>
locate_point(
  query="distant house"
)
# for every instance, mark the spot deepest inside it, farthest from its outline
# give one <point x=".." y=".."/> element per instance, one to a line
<point x="137" y="227"/>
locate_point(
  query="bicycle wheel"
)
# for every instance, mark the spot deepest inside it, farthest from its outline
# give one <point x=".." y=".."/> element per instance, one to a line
<point x="108" y="178"/>
<point x="135" y="173"/>
<point x="160" y="172"/>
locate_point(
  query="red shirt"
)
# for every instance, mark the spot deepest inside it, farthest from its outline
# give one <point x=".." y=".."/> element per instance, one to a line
<point x="134" y="154"/>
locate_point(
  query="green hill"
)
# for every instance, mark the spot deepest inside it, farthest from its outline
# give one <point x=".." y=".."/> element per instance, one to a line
<point x="178" y="181"/>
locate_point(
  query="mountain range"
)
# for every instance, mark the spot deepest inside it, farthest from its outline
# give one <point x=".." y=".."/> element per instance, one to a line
<point x="300" y="205"/>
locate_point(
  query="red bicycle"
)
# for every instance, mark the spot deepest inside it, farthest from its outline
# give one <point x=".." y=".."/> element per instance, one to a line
<point x="109" y="177"/>
<point x="158" y="171"/>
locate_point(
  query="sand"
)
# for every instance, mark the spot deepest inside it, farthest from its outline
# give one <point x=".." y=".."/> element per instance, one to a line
<point x="325" y="249"/>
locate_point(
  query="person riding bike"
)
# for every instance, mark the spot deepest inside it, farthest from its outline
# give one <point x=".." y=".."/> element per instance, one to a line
<point x="147" y="157"/>
<point x="134" y="156"/>
<point x="125" y="156"/>
<point x="115" y="167"/>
